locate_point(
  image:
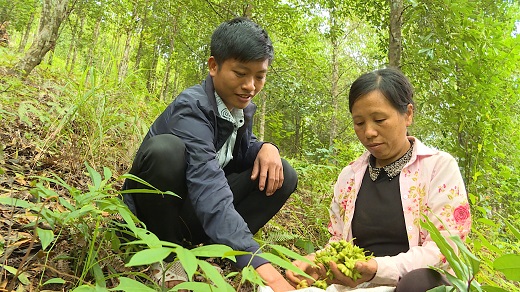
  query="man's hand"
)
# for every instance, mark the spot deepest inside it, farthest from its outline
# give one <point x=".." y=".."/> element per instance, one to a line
<point x="273" y="278"/>
<point x="268" y="169"/>
<point x="367" y="269"/>
<point x="316" y="272"/>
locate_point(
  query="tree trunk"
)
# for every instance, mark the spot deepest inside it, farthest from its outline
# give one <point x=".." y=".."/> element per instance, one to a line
<point x="395" y="38"/>
<point x="123" y="65"/>
<point x="142" y="30"/>
<point x="92" y="47"/>
<point x="152" y="72"/>
<point x="54" y="12"/>
<point x="334" y="91"/>
<point x="76" y="44"/>
<point x="23" y="41"/>
<point x="169" y="62"/>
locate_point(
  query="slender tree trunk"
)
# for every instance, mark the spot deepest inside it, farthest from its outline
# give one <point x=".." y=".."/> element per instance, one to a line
<point x="54" y="12"/>
<point x="144" y="24"/>
<point x="335" y="76"/>
<point x="23" y="41"/>
<point x="395" y="38"/>
<point x="123" y="65"/>
<point x="76" y="44"/>
<point x="169" y="62"/>
<point x="298" y="134"/>
<point x="152" y="71"/>
<point x="334" y="93"/>
<point x="92" y="47"/>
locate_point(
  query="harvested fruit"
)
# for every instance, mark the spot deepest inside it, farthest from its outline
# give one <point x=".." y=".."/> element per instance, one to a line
<point x="345" y="255"/>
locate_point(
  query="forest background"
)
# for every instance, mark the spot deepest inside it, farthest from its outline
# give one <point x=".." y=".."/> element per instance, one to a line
<point x="82" y="80"/>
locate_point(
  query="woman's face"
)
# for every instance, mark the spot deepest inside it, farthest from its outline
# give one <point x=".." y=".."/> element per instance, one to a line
<point x="381" y="128"/>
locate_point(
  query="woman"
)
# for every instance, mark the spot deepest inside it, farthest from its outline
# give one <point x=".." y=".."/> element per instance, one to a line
<point x="380" y="198"/>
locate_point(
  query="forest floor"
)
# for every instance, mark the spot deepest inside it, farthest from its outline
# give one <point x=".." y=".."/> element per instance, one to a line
<point x="22" y="161"/>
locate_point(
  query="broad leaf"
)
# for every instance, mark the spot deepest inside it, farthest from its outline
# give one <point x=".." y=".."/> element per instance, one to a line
<point x="212" y="274"/>
<point x="149" y="256"/>
<point x="188" y="260"/>
<point x="46" y="237"/>
<point x="283" y="263"/>
<point x="508" y="264"/>
<point x="211" y="251"/>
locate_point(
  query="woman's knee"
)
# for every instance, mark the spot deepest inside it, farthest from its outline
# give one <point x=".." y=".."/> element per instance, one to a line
<point x="421" y="280"/>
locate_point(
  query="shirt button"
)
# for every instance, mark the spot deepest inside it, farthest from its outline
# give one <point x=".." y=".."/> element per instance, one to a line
<point x="405" y="197"/>
<point x="410" y="228"/>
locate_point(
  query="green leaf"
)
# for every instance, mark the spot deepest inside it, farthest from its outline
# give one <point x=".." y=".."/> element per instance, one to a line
<point x="249" y="274"/>
<point x="455" y="263"/>
<point x="487" y="222"/>
<point x="98" y="275"/>
<point x="21" y="277"/>
<point x="130" y="285"/>
<point x="290" y="253"/>
<point x="211" y="251"/>
<point x="16" y="203"/>
<point x="87" y="288"/>
<point x="188" y="260"/>
<point x="508" y="264"/>
<point x="54" y="281"/>
<point x="440" y="289"/>
<point x="46" y="237"/>
<point x="94" y="175"/>
<point x="493" y="289"/>
<point x="471" y="259"/>
<point x="195" y="286"/>
<point x="149" y="256"/>
<point x="214" y="276"/>
<point x="283" y="263"/>
<point x="513" y="229"/>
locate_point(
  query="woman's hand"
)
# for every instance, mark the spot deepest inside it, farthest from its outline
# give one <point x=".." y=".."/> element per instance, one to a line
<point x="367" y="269"/>
<point x="316" y="272"/>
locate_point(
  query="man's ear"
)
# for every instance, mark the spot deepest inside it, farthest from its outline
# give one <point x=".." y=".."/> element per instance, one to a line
<point x="213" y="66"/>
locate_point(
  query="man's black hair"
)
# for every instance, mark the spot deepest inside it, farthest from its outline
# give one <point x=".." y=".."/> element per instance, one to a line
<point x="241" y="39"/>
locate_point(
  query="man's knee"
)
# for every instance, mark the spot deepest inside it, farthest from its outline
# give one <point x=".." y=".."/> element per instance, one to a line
<point x="290" y="178"/>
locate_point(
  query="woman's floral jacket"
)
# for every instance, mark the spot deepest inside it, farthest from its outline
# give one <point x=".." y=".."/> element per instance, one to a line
<point x="430" y="184"/>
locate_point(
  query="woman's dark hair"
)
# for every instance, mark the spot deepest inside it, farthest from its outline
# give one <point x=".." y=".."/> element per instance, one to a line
<point x="241" y="39"/>
<point x="391" y="82"/>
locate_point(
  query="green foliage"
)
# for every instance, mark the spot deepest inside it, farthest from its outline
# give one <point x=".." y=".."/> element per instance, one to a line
<point x="460" y="55"/>
<point x="466" y="265"/>
<point x="85" y="217"/>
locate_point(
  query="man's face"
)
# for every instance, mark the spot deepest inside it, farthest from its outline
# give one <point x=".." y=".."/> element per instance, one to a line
<point x="238" y="82"/>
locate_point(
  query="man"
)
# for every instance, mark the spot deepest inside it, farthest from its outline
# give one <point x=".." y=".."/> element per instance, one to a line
<point x="202" y="148"/>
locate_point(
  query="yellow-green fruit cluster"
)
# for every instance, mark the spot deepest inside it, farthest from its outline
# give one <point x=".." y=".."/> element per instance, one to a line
<point x="322" y="284"/>
<point x="345" y="255"/>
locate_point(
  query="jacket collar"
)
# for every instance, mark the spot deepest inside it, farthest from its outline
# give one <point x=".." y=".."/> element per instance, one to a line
<point x="209" y="88"/>
<point x="419" y="149"/>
